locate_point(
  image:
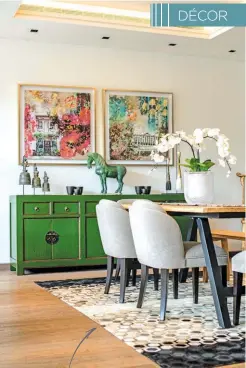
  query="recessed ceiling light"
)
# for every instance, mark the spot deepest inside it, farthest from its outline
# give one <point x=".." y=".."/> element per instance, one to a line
<point x="231" y="51"/>
<point x="172" y="44"/>
<point x="105" y="38"/>
<point x="34" y="30"/>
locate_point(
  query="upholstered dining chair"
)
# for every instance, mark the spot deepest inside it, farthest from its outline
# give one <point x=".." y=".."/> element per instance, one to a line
<point x="115" y="231"/>
<point x="117" y="241"/>
<point x="131" y="200"/>
<point x="158" y="243"/>
<point x="238" y="268"/>
<point x="155" y="206"/>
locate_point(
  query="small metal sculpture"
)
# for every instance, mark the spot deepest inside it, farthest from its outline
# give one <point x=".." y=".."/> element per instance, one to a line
<point x="46" y="184"/>
<point x="36" y="181"/>
<point x="25" y="177"/>
<point x="106" y="171"/>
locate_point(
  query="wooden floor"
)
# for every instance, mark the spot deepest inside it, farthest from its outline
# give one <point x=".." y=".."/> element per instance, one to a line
<point x="38" y="330"/>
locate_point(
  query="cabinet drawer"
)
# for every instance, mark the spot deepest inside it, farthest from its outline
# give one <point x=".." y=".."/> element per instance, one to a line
<point x="36" y="208"/>
<point x="66" y="208"/>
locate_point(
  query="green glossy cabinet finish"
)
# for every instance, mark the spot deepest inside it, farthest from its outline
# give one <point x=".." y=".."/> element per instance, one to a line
<point x="68" y="246"/>
<point x="73" y="218"/>
<point x="35" y="246"/>
<point x="36" y="208"/>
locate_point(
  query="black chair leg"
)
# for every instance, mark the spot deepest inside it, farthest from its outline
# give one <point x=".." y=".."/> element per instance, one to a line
<point x="156" y="278"/>
<point x="123" y="278"/>
<point x="164" y="293"/>
<point x="144" y="280"/>
<point x="183" y="274"/>
<point x="134" y="277"/>
<point x="110" y="266"/>
<point x="128" y="276"/>
<point x="224" y="275"/>
<point x="237" y="293"/>
<point x="117" y="271"/>
<point x="175" y="283"/>
<point x="195" y="284"/>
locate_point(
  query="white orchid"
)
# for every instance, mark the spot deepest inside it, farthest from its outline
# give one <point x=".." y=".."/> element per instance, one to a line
<point x="190" y="139"/>
<point x="196" y="142"/>
<point x="173" y="140"/>
<point x="221" y="162"/>
<point x="198" y="136"/>
<point x="181" y="133"/>
<point x="158" y="158"/>
<point x="162" y="148"/>
<point x="232" y="160"/>
<point x="213" y="132"/>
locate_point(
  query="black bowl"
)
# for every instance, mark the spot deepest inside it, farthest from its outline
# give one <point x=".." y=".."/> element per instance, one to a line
<point x="143" y="189"/>
<point x="70" y="190"/>
<point x="78" y="190"/>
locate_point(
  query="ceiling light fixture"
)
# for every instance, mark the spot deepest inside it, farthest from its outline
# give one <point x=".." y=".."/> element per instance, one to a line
<point x="172" y="44"/>
<point x="34" y="30"/>
<point x="105" y="38"/>
<point x="231" y="51"/>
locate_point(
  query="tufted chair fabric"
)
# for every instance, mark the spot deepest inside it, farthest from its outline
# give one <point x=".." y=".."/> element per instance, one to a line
<point x="157" y="238"/>
<point x="142" y="203"/>
<point x="132" y="200"/>
<point x="115" y="230"/>
<point x="158" y="243"/>
<point x="238" y="262"/>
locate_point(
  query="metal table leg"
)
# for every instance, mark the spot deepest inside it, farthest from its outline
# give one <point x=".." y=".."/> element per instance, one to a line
<point x="218" y="291"/>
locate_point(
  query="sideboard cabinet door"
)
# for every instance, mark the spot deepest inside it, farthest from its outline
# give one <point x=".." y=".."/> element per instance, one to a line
<point x="35" y="245"/>
<point x="67" y="246"/>
<point x="51" y="239"/>
<point x="93" y="243"/>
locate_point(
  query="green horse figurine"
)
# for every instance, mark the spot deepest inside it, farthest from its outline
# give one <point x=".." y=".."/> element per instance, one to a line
<point x="106" y="171"/>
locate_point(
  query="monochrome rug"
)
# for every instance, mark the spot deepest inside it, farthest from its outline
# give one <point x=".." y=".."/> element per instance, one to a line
<point x="189" y="337"/>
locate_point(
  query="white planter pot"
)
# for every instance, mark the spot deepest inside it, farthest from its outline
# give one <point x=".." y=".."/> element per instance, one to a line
<point x="199" y="187"/>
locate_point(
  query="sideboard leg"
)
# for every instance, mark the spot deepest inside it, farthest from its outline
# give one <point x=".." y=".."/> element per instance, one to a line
<point x="19" y="270"/>
<point x="12" y="268"/>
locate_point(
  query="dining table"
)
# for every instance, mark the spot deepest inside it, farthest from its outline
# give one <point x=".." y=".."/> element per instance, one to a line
<point x="200" y="215"/>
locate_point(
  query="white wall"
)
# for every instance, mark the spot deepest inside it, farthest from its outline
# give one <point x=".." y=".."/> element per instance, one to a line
<point x="207" y="93"/>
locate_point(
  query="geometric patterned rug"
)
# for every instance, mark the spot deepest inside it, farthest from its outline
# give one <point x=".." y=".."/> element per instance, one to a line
<point x="189" y="337"/>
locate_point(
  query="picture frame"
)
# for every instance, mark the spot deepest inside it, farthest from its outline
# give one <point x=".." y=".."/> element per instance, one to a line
<point x="134" y="121"/>
<point x="56" y="124"/>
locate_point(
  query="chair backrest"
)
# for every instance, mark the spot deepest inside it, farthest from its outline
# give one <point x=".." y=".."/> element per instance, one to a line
<point x="108" y="202"/>
<point x="115" y="231"/>
<point x="238" y="262"/>
<point x="132" y="200"/>
<point x="157" y="238"/>
<point x="142" y="203"/>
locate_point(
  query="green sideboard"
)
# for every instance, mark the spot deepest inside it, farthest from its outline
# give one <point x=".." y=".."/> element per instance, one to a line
<point x="33" y="218"/>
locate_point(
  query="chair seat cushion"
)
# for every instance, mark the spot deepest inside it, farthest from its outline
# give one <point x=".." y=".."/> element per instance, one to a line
<point x="194" y="255"/>
<point x="239" y="262"/>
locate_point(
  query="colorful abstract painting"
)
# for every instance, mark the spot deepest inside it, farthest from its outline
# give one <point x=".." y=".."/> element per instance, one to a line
<point x="56" y="124"/>
<point x="134" y="122"/>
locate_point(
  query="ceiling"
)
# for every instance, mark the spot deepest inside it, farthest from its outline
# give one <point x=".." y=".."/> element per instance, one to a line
<point x="80" y="34"/>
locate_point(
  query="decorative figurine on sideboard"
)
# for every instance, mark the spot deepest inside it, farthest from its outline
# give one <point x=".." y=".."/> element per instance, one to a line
<point x="106" y="171"/>
<point x="46" y="184"/>
<point x="25" y="177"/>
<point x="36" y="181"/>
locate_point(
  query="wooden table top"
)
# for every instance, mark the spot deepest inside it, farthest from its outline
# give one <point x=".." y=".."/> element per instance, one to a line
<point x="211" y="208"/>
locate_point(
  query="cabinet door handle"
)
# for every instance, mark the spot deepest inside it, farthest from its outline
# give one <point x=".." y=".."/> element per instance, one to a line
<point x="36" y="209"/>
<point x="66" y="209"/>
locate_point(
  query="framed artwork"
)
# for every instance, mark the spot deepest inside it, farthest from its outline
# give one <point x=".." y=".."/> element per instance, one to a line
<point x="134" y="121"/>
<point x="56" y="124"/>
